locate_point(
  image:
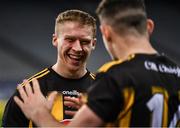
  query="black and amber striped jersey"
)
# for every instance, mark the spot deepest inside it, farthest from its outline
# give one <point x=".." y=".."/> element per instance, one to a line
<point x="142" y="91"/>
<point x="49" y="81"/>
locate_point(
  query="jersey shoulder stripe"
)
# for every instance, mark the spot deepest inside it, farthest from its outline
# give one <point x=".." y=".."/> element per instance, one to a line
<point x="93" y="76"/>
<point x="108" y="65"/>
<point x="37" y="75"/>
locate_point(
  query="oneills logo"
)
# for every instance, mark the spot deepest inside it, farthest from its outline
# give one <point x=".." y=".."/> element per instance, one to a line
<point x="72" y="93"/>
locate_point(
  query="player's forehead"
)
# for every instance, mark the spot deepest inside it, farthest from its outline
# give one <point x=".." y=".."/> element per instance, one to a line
<point x="75" y="29"/>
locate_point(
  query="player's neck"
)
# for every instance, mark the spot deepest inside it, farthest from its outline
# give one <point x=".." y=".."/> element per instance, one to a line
<point x="67" y="73"/>
<point x="133" y="45"/>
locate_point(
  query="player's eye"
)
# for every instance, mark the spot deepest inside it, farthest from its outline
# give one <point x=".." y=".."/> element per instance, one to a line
<point x="85" y="42"/>
<point x="70" y="39"/>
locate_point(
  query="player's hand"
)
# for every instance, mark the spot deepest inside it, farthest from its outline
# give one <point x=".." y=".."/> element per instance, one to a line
<point x="74" y="103"/>
<point x="32" y="100"/>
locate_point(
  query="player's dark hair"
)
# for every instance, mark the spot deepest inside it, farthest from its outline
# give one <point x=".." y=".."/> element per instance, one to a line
<point x="123" y="15"/>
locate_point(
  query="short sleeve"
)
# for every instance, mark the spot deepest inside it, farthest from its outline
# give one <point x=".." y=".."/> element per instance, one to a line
<point x="104" y="97"/>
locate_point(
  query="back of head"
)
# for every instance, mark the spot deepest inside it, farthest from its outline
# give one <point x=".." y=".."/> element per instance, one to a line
<point x="76" y="16"/>
<point x="124" y="16"/>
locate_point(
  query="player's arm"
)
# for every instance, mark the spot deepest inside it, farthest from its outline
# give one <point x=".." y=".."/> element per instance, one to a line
<point x="86" y="117"/>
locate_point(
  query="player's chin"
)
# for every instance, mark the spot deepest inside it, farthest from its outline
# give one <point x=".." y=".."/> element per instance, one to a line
<point x="75" y="66"/>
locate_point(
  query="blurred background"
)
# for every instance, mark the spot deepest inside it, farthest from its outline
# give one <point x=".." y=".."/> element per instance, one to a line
<point x="26" y="28"/>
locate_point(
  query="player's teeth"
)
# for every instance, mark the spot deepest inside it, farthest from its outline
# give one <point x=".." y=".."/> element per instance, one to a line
<point x="74" y="57"/>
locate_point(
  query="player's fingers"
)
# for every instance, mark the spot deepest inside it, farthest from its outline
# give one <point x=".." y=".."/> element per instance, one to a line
<point x="69" y="98"/>
<point x="36" y="87"/>
<point x="19" y="86"/>
<point x="72" y="99"/>
<point x="71" y="104"/>
<point x="18" y="101"/>
<point x="51" y="99"/>
<point x="70" y="113"/>
<point x="22" y="92"/>
<point x="28" y="87"/>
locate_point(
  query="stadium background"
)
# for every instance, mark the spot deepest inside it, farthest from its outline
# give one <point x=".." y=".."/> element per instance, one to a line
<point x="26" y="28"/>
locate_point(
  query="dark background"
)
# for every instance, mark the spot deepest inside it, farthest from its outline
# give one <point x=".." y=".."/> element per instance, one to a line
<point x="26" y="28"/>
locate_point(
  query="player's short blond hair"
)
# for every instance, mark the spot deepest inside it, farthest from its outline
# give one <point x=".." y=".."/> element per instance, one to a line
<point x="78" y="16"/>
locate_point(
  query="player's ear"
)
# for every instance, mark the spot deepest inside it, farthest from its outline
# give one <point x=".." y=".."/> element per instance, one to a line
<point x="150" y="26"/>
<point x="54" y="40"/>
<point x="94" y="43"/>
<point x="106" y="33"/>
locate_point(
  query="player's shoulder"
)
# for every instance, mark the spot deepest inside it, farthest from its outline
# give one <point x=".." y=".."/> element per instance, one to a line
<point x="92" y="75"/>
<point x="115" y="64"/>
<point x="39" y="75"/>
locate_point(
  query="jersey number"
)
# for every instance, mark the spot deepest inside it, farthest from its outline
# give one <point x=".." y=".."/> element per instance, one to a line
<point x="158" y="105"/>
